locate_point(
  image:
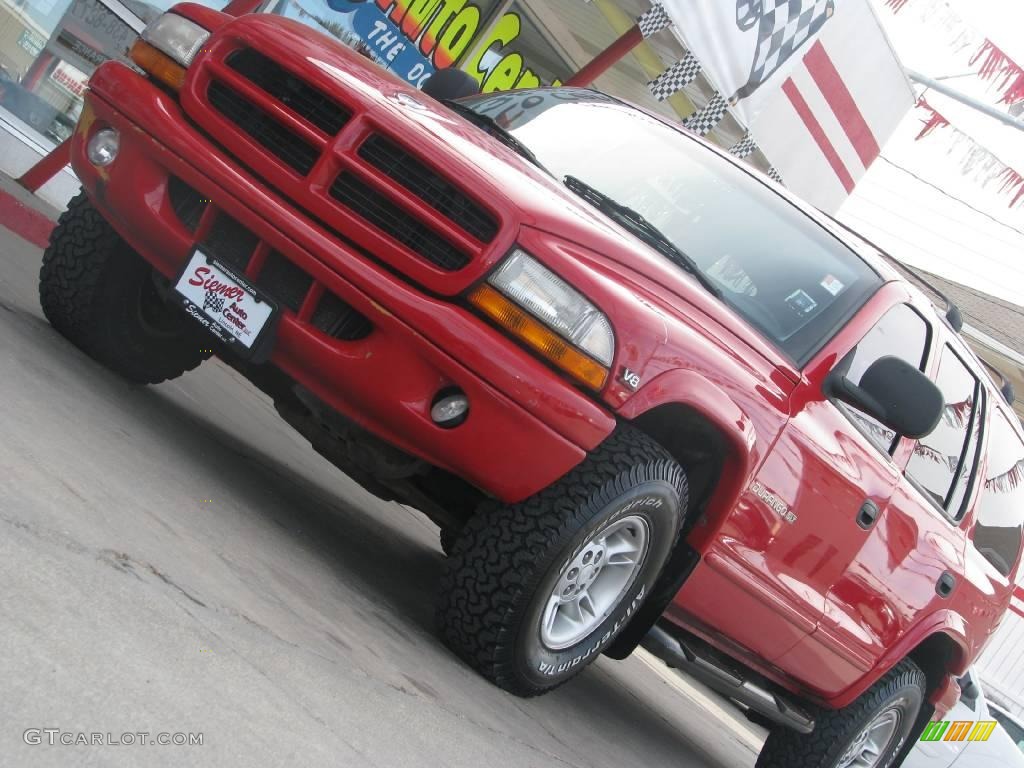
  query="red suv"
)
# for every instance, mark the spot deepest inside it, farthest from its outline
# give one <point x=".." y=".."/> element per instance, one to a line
<point x="644" y="393"/>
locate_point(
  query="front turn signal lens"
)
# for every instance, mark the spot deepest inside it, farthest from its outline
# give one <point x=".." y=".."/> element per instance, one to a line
<point x="537" y="336"/>
<point x="158" y="64"/>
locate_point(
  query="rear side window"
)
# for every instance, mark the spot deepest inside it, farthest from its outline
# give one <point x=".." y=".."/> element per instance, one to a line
<point x="1000" y="520"/>
<point x="901" y="333"/>
<point x="941" y="459"/>
<point x="1013" y="728"/>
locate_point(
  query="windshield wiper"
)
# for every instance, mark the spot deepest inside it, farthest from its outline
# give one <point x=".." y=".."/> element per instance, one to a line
<point x="495" y="129"/>
<point x="639" y="225"/>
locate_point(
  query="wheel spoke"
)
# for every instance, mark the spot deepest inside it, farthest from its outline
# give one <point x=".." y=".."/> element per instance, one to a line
<point x="622" y="558"/>
<point x="622" y="543"/>
<point x="586" y="606"/>
<point x="551" y="614"/>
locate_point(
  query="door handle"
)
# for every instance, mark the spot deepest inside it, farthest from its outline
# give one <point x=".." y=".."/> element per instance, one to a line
<point x="868" y="515"/>
<point x="946" y="584"/>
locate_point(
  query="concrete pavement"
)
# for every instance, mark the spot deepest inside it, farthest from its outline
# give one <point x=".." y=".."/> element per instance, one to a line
<point x="176" y="559"/>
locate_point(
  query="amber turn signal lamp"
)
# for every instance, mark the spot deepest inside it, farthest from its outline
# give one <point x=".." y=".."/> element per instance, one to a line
<point x="158" y="64"/>
<point x="537" y="336"/>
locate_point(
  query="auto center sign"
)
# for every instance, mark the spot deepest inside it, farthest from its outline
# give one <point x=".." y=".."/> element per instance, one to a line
<point x="415" y="38"/>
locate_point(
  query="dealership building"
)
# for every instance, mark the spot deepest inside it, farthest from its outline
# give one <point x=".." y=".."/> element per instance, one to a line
<point x="48" y="49"/>
<point x="808" y="99"/>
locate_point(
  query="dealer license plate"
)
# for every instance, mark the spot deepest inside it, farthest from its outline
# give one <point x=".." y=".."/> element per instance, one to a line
<point x="223" y="303"/>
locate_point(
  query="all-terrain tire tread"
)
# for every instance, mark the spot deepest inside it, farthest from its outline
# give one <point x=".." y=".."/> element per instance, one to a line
<point x="72" y="265"/>
<point x="83" y="250"/>
<point x="489" y="566"/>
<point x="789" y="749"/>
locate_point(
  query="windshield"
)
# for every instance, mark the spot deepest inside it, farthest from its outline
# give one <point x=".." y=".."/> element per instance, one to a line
<point x="792" y="280"/>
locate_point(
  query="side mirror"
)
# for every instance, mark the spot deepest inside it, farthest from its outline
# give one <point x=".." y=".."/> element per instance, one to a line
<point x="969" y="690"/>
<point x="893" y="392"/>
<point x="450" y="84"/>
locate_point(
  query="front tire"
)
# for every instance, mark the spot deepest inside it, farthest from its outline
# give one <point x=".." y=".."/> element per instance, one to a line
<point x="533" y="592"/>
<point x="104" y="298"/>
<point x="870" y="733"/>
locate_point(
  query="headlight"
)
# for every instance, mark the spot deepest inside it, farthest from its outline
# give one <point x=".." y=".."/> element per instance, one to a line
<point x="167" y="47"/>
<point x="542" y="310"/>
<point x="176" y="36"/>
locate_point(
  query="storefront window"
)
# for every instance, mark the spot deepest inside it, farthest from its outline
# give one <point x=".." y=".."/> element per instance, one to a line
<point x="48" y="50"/>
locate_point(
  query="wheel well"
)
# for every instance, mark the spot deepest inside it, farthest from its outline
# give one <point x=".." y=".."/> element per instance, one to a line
<point x="935" y="656"/>
<point x="701" y="449"/>
<point x="692" y="440"/>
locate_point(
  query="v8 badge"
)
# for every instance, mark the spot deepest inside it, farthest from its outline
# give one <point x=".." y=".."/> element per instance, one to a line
<point x="631" y="379"/>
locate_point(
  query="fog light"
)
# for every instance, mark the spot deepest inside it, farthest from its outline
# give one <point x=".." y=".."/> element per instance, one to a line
<point x="103" y="146"/>
<point x="450" y="409"/>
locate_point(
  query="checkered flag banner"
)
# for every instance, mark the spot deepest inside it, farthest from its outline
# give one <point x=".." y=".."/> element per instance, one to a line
<point x="654" y="20"/>
<point x="783" y="26"/>
<point x="744" y="148"/>
<point x="213" y="301"/>
<point x="703" y="121"/>
<point x="676" y="77"/>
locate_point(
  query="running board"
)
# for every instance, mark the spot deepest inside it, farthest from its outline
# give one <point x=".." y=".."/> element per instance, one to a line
<point x="730" y="682"/>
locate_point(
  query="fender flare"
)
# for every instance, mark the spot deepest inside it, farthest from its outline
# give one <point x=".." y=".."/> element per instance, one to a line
<point x="690" y="390"/>
<point x="947" y="623"/>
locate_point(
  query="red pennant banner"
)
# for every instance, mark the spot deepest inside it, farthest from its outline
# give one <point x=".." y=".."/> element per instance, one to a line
<point x="931" y="123"/>
<point x="1000" y="68"/>
<point x="1013" y="184"/>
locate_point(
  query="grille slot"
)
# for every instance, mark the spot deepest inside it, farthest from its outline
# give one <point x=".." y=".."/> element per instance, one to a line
<point x="300" y="97"/>
<point x="431" y="188"/>
<point x="186" y="203"/>
<point x="284" y="281"/>
<point x="392" y="220"/>
<point x="230" y="242"/>
<point x="336" y="318"/>
<point x="270" y="134"/>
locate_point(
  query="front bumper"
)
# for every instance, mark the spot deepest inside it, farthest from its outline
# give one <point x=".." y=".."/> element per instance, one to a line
<point x="526" y="427"/>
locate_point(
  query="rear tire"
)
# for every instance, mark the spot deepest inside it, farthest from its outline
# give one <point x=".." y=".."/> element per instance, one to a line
<point x="533" y="592"/>
<point x="894" y="702"/>
<point x="105" y="298"/>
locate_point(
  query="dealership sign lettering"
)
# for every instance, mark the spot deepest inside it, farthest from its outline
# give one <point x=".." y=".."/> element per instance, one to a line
<point x="415" y="38"/>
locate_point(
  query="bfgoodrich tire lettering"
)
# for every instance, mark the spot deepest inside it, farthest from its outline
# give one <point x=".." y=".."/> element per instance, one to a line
<point x="508" y="561"/>
<point x="837" y="733"/>
<point x="101" y="296"/>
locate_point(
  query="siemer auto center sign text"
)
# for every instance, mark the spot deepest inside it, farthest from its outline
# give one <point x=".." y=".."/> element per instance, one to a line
<point x="415" y="38"/>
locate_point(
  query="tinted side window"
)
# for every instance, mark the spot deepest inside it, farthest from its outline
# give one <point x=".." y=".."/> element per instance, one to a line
<point x="940" y="458"/>
<point x="902" y="333"/>
<point x="997" y="534"/>
<point x="962" y="483"/>
<point x="1016" y="731"/>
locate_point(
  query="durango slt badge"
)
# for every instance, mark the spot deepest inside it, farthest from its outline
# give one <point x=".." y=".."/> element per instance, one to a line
<point x="772" y="501"/>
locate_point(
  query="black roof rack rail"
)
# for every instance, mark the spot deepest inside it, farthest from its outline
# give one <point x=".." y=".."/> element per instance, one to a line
<point x="1005" y="387"/>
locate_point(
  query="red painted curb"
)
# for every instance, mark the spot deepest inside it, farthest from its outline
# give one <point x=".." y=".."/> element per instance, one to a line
<point x="24" y="221"/>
